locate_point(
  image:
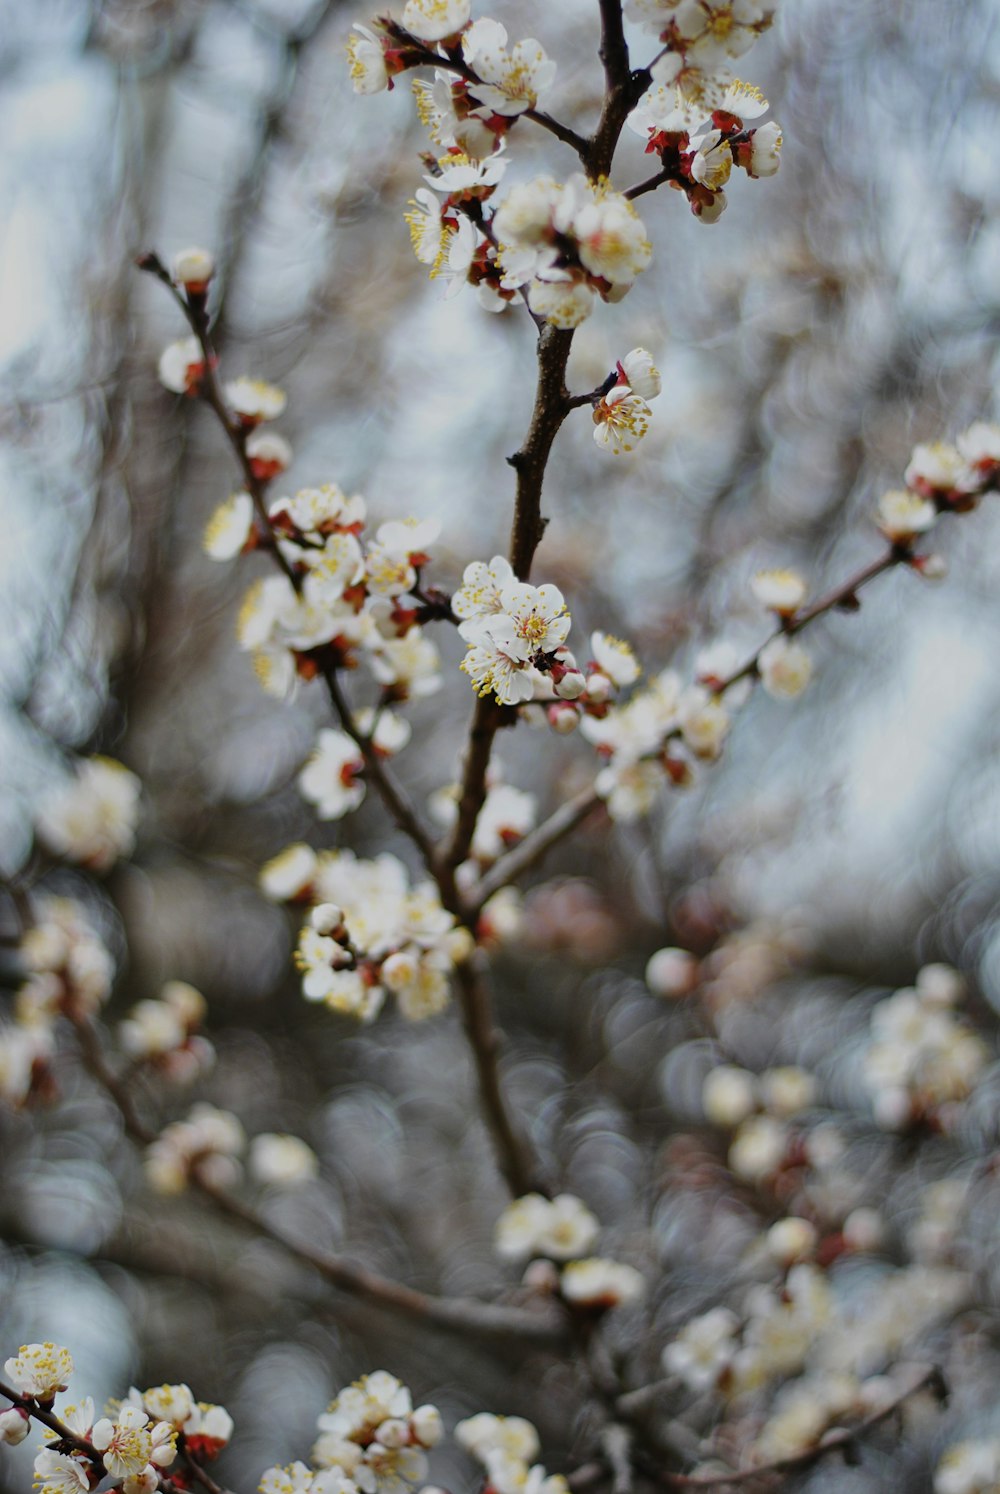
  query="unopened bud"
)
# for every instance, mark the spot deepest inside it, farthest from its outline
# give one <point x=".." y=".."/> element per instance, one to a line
<point x="268" y="454"/>
<point x="599" y="688"/>
<point x="14" y="1425"/>
<point x="931" y="567"/>
<point x="791" y="1240"/>
<point x="193" y="268"/>
<point x="672" y="973"/>
<point x="326" y="918"/>
<point x="562" y="717"/>
<point x="571" y="686"/>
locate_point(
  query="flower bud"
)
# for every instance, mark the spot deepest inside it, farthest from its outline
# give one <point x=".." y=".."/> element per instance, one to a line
<point x="570" y="686"/>
<point x="326" y="918"/>
<point x="193" y="268"/>
<point x="791" y="1240"/>
<point x="599" y="688"/>
<point x="563" y="717"/>
<point x="14" y="1425"/>
<point x="672" y="973"/>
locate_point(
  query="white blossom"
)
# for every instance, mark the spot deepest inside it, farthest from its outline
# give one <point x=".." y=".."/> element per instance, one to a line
<point x="92" y="819"/>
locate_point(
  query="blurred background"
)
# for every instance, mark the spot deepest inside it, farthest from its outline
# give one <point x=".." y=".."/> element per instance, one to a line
<point x="835" y="316"/>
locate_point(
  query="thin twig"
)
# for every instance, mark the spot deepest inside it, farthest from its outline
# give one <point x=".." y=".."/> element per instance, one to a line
<point x="516" y="1158"/>
<point x="842" y="1439"/>
<point x="418" y="54"/>
<point x="462" y="1315"/>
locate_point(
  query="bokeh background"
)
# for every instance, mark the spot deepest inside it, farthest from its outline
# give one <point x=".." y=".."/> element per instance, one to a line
<point x="836" y="315"/>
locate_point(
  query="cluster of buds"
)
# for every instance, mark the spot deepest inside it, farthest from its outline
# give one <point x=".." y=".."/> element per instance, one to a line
<point x="368" y="932"/>
<point x="700" y="139"/>
<point x="940" y="478"/>
<point x="922" y="1060"/>
<point x="371" y="1439"/>
<point x="506" y="1447"/>
<point x="561" y="1230"/>
<point x="92" y="818"/>
<point x="165" y="1033"/>
<point x="207" y="1144"/>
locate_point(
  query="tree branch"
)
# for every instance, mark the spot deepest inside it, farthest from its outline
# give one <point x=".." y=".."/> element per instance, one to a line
<point x="840" y="1440"/>
<point x="461" y="1315"/>
<point x="517" y="1161"/>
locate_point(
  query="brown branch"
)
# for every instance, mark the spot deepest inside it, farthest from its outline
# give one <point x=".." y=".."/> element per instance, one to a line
<point x="48" y="1419"/>
<point x="841" y="1440"/>
<point x="460" y="1315"/>
<point x="392" y="794"/>
<point x="649" y="185"/>
<point x="550" y="410"/>
<point x="562" y="822"/>
<point x="517" y="1162"/>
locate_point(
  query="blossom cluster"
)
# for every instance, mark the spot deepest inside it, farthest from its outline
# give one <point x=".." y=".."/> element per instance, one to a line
<point x="69" y="972"/>
<point x="506" y="1446"/>
<point x="922" y="1060"/>
<point x="340" y="597"/>
<point x="164" y="1033"/>
<point x="133" y="1444"/>
<point x="368" y="932"/>
<point x="562" y="1229"/>
<point x="372" y="1440"/>
<point x="515" y="635"/>
<point x="209" y="1145"/>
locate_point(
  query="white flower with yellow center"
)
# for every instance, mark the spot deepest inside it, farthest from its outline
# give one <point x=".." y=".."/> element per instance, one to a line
<point x="255" y="400"/>
<point x="461" y="175"/>
<point x="621" y="419"/>
<point x="411" y="665"/>
<point x="228" y="530"/>
<point x="903" y="515"/>
<point x="333" y="569"/>
<point x="428" y="232"/>
<point x="511" y="81"/>
<point x="289" y="874"/>
<point x="40" y="1370"/>
<point x="743" y="100"/>
<point x="615" y="658"/>
<point x="56" y="1473"/>
<point x="703" y="1349"/>
<point x="366" y="61"/>
<point x="482" y="584"/>
<point x="533" y="622"/>
<point x="783" y="591"/>
<point x="126" y="1444"/>
<point x="512" y="1436"/>
<point x="433" y="20"/>
<point x="92" y="819"/>
<point x="785" y="668"/>
<point x="612" y="241"/>
<point x="193" y="268"/>
<point x="595" y="1282"/>
<point x="316" y="511"/>
<point x="563" y="303"/>
<point x="712" y="163"/>
<point x="935" y="467"/>
<point x="765" y="151"/>
<point x="329" y="779"/>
